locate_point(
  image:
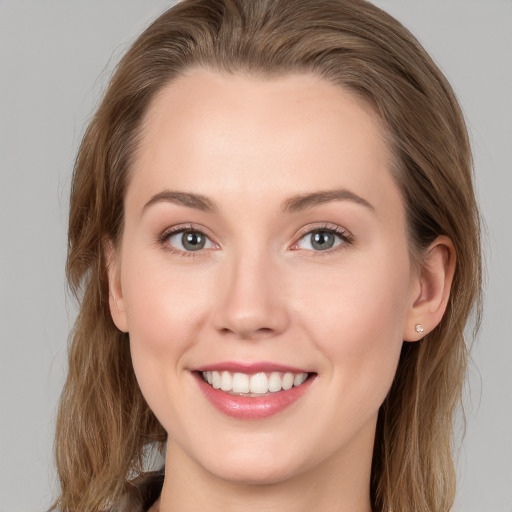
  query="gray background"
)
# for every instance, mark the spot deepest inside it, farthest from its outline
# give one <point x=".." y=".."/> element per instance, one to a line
<point x="55" y="58"/>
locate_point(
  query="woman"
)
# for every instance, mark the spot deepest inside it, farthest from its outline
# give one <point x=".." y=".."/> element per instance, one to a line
<point x="275" y="240"/>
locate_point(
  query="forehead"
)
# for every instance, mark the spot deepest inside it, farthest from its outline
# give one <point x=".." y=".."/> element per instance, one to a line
<point x="212" y="133"/>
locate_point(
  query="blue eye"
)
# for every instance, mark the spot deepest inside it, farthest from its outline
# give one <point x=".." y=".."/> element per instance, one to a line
<point x="322" y="240"/>
<point x="189" y="240"/>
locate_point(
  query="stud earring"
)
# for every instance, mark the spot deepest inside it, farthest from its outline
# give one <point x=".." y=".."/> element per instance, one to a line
<point x="419" y="328"/>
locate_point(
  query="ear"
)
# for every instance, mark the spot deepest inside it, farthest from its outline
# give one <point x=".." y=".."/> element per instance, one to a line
<point x="431" y="296"/>
<point x="115" y="292"/>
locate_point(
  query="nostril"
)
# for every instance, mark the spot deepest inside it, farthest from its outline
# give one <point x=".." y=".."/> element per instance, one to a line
<point x="248" y="333"/>
<point x="262" y="332"/>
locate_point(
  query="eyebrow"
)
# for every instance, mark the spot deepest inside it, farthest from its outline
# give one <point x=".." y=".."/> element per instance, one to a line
<point x="296" y="203"/>
<point x="304" y="201"/>
<point x="197" y="201"/>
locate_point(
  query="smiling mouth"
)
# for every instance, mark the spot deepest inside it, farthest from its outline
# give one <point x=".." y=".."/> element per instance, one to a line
<point x="253" y="385"/>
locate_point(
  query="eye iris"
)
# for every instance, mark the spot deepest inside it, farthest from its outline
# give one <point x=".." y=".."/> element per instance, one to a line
<point x="192" y="240"/>
<point x="322" y="240"/>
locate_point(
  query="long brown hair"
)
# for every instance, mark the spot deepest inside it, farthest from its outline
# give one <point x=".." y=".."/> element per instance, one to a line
<point x="104" y="425"/>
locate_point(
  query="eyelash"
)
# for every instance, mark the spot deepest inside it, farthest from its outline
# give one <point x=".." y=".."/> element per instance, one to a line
<point x="163" y="239"/>
<point x="345" y="237"/>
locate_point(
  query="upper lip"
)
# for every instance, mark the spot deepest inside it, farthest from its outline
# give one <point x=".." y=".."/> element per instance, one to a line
<point x="250" y="367"/>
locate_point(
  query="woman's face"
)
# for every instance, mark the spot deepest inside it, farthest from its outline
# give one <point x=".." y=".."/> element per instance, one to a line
<point x="264" y="236"/>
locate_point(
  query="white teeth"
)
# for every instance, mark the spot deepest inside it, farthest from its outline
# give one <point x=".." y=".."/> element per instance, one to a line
<point x="240" y="383"/>
<point x="299" y="379"/>
<point x="216" y="380"/>
<point x="256" y="384"/>
<point x="226" y="381"/>
<point x="275" y="382"/>
<point x="288" y="381"/>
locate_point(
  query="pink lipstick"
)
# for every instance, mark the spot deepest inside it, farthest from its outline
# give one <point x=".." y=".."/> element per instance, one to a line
<point x="252" y="390"/>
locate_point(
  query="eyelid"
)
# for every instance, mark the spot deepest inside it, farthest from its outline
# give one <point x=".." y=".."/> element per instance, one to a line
<point x="345" y="236"/>
<point x="181" y="228"/>
<point x="342" y="233"/>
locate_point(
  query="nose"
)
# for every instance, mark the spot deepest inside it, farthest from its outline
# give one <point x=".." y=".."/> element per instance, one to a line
<point x="251" y="300"/>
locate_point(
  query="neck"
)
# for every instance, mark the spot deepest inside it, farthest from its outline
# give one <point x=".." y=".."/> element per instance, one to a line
<point x="337" y="484"/>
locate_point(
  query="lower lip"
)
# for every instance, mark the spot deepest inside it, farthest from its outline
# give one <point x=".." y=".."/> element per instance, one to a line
<point x="246" y="407"/>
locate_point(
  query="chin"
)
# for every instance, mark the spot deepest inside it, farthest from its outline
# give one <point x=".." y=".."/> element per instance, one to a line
<point x="251" y="475"/>
<point x="260" y="469"/>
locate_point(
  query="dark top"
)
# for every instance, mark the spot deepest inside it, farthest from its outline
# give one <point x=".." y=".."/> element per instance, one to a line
<point x="141" y="493"/>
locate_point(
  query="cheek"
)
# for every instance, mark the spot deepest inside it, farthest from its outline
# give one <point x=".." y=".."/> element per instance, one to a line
<point x="162" y="312"/>
<point x="162" y="316"/>
<point x="162" y="304"/>
<point x="357" y="318"/>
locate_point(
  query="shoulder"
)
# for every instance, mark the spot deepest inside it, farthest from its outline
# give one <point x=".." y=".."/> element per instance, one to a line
<point x="142" y="494"/>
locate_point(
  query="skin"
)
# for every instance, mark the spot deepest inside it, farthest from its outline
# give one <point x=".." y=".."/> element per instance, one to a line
<point x="259" y="291"/>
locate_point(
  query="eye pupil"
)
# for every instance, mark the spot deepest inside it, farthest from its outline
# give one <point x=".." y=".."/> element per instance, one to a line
<point x="193" y="240"/>
<point x="322" y="240"/>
